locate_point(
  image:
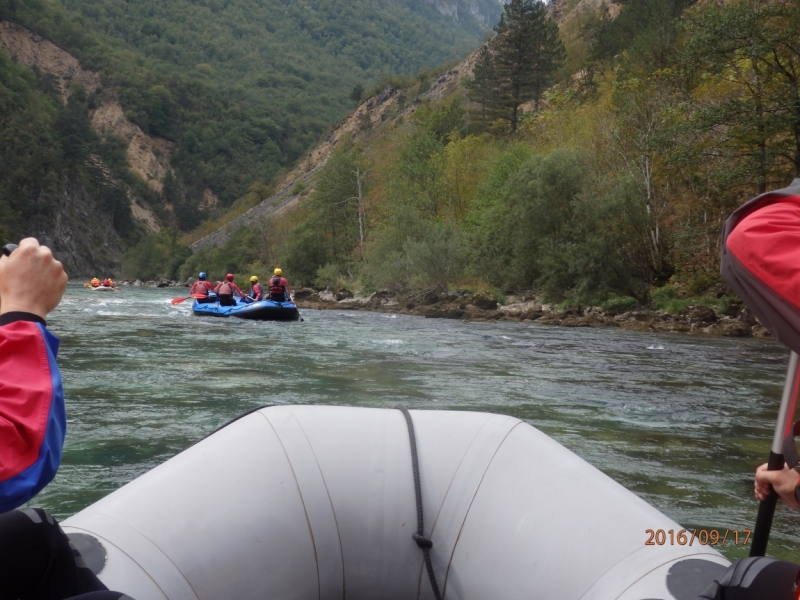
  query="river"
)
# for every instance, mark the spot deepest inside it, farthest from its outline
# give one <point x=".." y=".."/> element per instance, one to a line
<point x="680" y="420"/>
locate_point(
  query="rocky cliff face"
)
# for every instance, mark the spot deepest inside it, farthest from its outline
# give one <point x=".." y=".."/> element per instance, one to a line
<point x="485" y="12"/>
<point x="445" y="8"/>
<point x="80" y="234"/>
<point x="148" y="157"/>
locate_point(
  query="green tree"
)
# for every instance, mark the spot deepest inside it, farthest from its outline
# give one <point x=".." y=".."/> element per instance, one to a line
<point x="434" y="259"/>
<point x="481" y="86"/>
<point x="161" y="111"/>
<point x="637" y="139"/>
<point x="339" y="204"/>
<point x="750" y="51"/>
<point x="74" y="130"/>
<point x="357" y="94"/>
<point x="648" y="28"/>
<point x="525" y="55"/>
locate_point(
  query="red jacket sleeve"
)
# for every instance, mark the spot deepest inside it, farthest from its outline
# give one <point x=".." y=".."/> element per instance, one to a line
<point x="32" y="414"/>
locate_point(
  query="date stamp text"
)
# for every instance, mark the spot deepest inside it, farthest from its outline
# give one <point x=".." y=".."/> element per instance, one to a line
<point x="703" y="537"/>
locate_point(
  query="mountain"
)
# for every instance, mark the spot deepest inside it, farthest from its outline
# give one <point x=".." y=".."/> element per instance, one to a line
<point x="202" y="98"/>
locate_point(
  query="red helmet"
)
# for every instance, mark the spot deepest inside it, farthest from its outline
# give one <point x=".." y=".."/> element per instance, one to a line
<point x="229" y="277"/>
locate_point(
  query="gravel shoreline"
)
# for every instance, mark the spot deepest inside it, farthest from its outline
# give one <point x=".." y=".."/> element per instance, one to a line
<point x="737" y="322"/>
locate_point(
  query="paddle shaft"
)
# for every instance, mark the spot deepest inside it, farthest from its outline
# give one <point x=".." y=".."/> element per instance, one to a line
<point x="783" y="428"/>
<point x="176" y="301"/>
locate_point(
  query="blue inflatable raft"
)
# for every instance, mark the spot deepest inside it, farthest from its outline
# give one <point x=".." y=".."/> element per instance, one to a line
<point x="263" y="310"/>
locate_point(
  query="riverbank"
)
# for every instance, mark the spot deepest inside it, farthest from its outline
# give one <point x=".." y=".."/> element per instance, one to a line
<point x="463" y="305"/>
<point x="735" y="322"/>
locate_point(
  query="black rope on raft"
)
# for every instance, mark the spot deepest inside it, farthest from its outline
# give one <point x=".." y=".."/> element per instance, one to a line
<point x="419" y="537"/>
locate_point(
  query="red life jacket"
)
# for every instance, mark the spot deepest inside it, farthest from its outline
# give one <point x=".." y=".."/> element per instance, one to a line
<point x="277" y="286"/>
<point x="199" y="288"/>
<point x="257" y="292"/>
<point x="225" y="289"/>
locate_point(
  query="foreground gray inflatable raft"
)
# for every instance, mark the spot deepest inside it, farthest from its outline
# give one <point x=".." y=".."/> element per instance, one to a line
<point x="300" y="502"/>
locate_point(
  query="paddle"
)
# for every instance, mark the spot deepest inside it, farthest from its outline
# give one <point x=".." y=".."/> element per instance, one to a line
<point x="783" y="429"/>
<point x="176" y="301"/>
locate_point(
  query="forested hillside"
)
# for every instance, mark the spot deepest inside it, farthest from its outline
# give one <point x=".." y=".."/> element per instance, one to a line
<point x="238" y="88"/>
<point x="610" y="186"/>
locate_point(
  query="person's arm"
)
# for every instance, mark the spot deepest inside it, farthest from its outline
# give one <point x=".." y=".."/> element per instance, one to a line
<point x="32" y="415"/>
<point x="784" y="482"/>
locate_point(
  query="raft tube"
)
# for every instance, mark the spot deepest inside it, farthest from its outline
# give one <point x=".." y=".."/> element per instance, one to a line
<point x="299" y="502"/>
<point x="263" y="310"/>
<point x="103" y="288"/>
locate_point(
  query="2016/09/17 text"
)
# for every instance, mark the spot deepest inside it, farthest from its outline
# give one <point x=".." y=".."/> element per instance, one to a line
<point x="704" y="537"/>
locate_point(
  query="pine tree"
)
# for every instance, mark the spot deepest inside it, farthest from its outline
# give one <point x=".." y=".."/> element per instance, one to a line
<point x="481" y="87"/>
<point x="357" y="93"/>
<point x="524" y="57"/>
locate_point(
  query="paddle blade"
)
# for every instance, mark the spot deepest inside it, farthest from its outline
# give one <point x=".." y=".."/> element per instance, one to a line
<point x="178" y="300"/>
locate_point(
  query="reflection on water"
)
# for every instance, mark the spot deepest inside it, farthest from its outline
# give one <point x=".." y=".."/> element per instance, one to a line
<point x="680" y="420"/>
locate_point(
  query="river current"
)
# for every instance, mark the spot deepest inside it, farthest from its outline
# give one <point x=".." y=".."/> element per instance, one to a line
<point x="680" y="420"/>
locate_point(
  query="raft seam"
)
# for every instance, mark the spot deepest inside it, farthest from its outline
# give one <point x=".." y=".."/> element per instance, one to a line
<point x="299" y="493"/>
<point x="327" y="492"/>
<point x="466" y="515"/>
<point x="439" y="511"/>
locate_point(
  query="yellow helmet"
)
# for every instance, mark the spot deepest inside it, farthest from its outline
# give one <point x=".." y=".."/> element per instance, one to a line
<point x="278" y="271"/>
<point x="254" y="279"/>
<point x="96" y="279"/>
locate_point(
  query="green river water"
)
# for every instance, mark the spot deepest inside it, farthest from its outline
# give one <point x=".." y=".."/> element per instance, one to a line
<point x="680" y="420"/>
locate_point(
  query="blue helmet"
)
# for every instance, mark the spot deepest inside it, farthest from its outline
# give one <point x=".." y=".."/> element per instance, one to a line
<point x="202" y="275"/>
